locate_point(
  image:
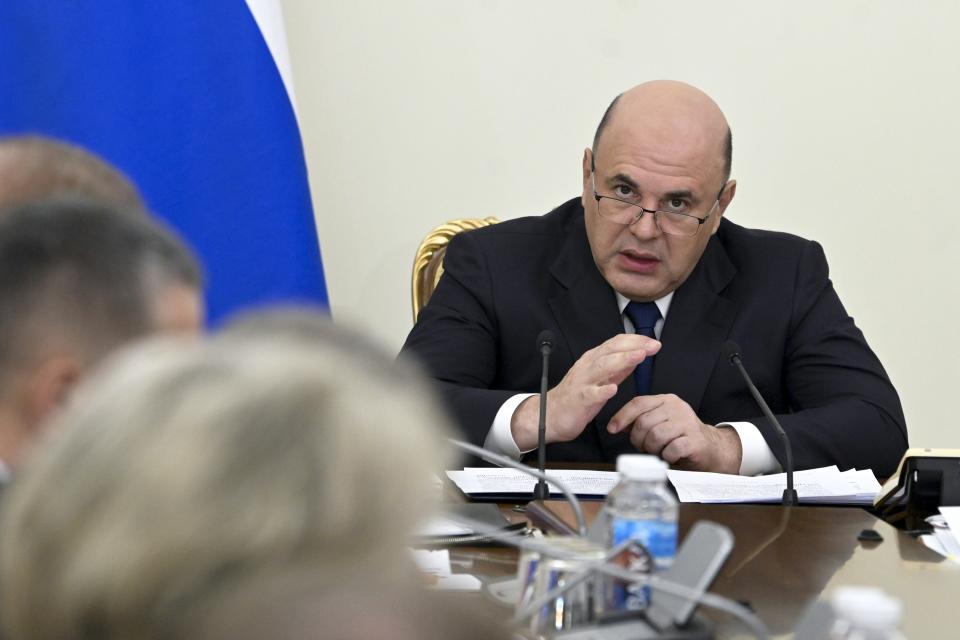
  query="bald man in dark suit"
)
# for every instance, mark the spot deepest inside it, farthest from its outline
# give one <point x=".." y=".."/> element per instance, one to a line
<point x="641" y="280"/>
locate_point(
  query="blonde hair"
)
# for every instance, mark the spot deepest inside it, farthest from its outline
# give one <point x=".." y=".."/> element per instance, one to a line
<point x="184" y="465"/>
<point x="296" y="605"/>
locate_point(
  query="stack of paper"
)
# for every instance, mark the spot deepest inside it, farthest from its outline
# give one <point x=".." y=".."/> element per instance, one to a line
<point x="945" y="537"/>
<point x="489" y="482"/>
<point x="827" y="485"/>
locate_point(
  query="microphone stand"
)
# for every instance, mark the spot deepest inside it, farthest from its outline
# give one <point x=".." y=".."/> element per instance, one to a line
<point x="789" y="494"/>
<point x="544" y="344"/>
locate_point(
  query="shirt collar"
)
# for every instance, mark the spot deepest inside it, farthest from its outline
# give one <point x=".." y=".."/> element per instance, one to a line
<point x="662" y="303"/>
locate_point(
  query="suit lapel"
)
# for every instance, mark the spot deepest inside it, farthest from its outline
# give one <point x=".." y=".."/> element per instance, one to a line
<point x="584" y="305"/>
<point x="586" y="312"/>
<point x="698" y="322"/>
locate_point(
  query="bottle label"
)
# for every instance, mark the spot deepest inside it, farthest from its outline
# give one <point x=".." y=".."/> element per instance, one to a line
<point x="660" y="540"/>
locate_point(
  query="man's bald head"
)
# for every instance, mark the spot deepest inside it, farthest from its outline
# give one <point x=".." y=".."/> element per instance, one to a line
<point x="662" y="148"/>
<point x="672" y="108"/>
<point x="34" y="167"/>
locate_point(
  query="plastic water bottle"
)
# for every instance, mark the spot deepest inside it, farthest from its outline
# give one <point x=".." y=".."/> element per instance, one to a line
<point x="641" y="508"/>
<point x="865" y="613"/>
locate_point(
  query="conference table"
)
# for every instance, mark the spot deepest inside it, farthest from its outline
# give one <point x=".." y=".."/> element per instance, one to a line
<point x="785" y="558"/>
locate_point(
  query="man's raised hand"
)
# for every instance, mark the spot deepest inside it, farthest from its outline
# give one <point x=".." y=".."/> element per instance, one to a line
<point x="588" y="385"/>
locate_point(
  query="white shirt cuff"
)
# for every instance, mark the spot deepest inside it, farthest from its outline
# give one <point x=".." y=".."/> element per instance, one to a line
<point x="500" y="437"/>
<point x="757" y="456"/>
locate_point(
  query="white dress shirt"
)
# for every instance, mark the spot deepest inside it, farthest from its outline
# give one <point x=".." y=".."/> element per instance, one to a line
<point x="757" y="456"/>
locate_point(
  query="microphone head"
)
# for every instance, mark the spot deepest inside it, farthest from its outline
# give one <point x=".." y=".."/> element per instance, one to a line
<point x="730" y="351"/>
<point x="545" y="339"/>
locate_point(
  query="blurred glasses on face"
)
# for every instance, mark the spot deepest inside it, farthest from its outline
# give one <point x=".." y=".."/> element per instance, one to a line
<point x="675" y="219"/>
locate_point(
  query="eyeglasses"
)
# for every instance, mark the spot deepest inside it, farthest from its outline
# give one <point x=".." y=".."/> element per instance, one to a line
<point x="672" y="223"/>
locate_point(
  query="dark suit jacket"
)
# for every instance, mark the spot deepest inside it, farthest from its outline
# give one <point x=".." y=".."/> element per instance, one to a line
<point x="768" y="291"/>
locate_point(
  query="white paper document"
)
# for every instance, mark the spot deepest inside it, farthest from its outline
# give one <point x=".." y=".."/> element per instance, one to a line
<point x="433" y="563"/>
<point x="441" y="526"/>
<point x="949" y="534"/>
<point x="436" y="565"/>
<point x="827" y="485"/>
<point x="952" y="517"/>
<point x="494" y="481"/>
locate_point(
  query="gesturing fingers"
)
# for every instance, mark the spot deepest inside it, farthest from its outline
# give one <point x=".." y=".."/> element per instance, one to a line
<point x="657" y="437"/>
<point x="615" y="367"/>
<point x="597" y="394"/>
<point x="648" y="428"/>
<point x="662" y="425"/>
<point x="628" y="342"/>
<point x="586" y="387"/>
<point x="628" y="414"/>
<point x="678" y="451"/>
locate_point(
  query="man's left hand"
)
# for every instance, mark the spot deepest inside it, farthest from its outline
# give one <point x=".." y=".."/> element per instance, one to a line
<point x="666" y="426"/>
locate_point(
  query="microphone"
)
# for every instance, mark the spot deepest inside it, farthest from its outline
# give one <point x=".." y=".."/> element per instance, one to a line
<point x="731" y="352"/>
<point x="544" y="347"/>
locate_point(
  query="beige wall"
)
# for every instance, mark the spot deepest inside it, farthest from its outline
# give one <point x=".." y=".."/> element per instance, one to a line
<point x="844" y="117"/>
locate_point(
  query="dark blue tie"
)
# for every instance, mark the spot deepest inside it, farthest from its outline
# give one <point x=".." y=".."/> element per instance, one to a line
<point x="644" y="316"/>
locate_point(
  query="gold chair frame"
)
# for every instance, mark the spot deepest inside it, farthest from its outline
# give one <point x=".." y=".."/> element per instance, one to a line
<point x="428" y="261"/>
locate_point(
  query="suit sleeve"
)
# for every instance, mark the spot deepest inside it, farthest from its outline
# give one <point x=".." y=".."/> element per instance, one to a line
<point x="844" y="409"/>
<point x="456" y="338"/>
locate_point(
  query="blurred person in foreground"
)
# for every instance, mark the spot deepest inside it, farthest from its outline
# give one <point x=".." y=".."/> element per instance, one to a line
<point x="34" y="167"/>
<point x="77" y="280"/>
<point x="181" y="469"/>
<point x="298" y="606"/>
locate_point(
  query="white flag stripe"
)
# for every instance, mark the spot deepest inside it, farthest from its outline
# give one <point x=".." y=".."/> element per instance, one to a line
<point x="269" y="17"/>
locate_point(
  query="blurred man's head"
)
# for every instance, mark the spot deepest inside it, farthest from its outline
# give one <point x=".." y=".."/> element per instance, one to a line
<point x="33" y="167"/>
<point x="180" y="469"/>
<point x="78" y="279"/>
